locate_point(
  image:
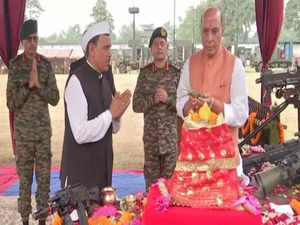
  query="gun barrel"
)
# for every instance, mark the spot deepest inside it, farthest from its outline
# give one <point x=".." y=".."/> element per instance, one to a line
<point x="41" y="214"/>
<point x="280" y="79"/>
<point x="274" y="154"/>
<point x="67" y="220"/>
<point x="285" y="173"/>
<point x="268" y="179"/>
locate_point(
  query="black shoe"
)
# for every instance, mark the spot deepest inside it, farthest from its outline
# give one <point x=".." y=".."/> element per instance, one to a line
<point x="25" y="222"/>
<point x="42" y="222"/>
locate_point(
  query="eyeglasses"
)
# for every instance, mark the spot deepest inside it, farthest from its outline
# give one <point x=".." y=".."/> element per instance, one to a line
<point x="32" y="38"/>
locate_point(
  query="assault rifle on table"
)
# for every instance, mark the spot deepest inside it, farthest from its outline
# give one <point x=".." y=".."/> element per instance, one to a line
<point x="71" y="198"/>
<point x="274" y="154"/>
<point x="287" y="172"/>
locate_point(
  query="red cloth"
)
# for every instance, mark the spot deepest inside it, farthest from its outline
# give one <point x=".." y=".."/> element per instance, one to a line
<point x="216" y="187"/>
<point x="205" y="192"/>
<point x="201" y="143"/>
<point x="11" y="20"/>
<point x="269" y="17"/>
<point x="194" y="216"/>
<point x="8" y="177"/>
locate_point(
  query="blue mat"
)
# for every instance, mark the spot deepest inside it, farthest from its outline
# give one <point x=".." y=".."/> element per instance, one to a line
<point x="124" y="182"/>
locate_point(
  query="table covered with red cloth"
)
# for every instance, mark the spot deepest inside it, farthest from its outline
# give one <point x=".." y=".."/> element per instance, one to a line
<point x="194" y="216"/>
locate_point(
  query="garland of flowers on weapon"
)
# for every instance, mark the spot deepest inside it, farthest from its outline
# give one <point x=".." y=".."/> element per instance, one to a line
<point x="281" y="132"/>
<point x="256" y="138"/>
<point x="250" y="126"/>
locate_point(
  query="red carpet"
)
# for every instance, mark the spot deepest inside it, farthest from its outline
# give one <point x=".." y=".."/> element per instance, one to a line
<point x="193" y="216"/>
<point x="8" y="176"/>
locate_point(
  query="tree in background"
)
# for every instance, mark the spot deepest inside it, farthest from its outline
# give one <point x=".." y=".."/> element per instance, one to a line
<point x="170" y="29"/>
<point x="51" y="39"/>
<point x="143" y="33"/>
<point x="189" y="28"/>
<point x="126" y="33"/>
<point x="72" y="35"/>
<point x="239" y="18"/>
<point x="291" y="27"/>
<point x="100" y="13"/>
<point x="146" y="32"/>
<point x="33" y="9"/>
<point x="238" y="15"/>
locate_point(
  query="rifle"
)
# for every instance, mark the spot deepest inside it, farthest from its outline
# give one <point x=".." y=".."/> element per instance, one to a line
<point x="286" y="172"/>
<point x="71" y="198"/>
<point x="274" y="154"/>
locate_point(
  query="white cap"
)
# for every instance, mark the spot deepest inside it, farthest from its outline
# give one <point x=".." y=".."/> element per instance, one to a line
<point x="92" y="31"/>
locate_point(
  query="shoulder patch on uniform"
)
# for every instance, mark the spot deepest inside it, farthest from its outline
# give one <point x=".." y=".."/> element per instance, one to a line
<point x="148" y="66"/>
<point x="44" y="58"/>
<point x="174" y="67"/>
<point x="15" y="59"/>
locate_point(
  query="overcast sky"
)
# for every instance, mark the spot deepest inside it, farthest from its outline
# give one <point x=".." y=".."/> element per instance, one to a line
<point x="60" y="14"/>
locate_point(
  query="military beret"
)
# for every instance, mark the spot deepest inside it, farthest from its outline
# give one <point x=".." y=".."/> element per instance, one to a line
<point x="28" y="27"/>
<point x="158" y="32"/>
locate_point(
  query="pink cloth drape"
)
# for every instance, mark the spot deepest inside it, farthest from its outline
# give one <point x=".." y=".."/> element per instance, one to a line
<point x="11" y="19"/>
<point x="269" y="18"/>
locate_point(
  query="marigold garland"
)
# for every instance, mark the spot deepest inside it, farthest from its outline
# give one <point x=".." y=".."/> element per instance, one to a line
<point x="125" y="218"/>
<point x="57" y="220"/>
<point x="245" y="128"/>
<point x="256" y="138"/>
<point x="251" y="120"/>
<point x="249" y="127"/>
<point x="281" y="132"/>
<point x="103" y="220"/>
<point x="295" y="204"/>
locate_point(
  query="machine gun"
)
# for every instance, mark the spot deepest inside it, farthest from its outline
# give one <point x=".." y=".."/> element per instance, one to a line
<point x="282" y="81"/>
<point x="288" y="86"/>
<point x="286" y="172"/>
<point x="71" y="198"/>
<point x="274" y="154"/>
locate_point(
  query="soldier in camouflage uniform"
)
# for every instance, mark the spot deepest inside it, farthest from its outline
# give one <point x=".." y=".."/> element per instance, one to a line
<point x="31" y="86"/>
<point x="155" y="96"/>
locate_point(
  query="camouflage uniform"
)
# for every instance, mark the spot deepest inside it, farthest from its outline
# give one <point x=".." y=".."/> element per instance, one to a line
<point x="160" y="126"/>
<point x="32" y="128"/>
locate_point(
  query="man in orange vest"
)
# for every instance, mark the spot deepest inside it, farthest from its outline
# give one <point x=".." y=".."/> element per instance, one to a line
<point x="217" y="74"/>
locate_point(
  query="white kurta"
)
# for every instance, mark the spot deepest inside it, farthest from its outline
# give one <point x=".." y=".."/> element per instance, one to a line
<point x="84" y="130"/>
<point x="235" y="113"/>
